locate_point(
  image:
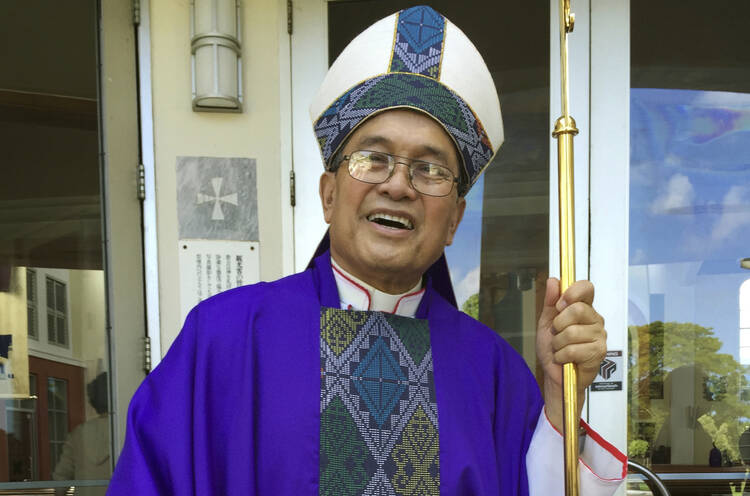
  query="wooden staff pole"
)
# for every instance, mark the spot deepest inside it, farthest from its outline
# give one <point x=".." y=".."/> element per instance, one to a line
<point x="565" y="129"/>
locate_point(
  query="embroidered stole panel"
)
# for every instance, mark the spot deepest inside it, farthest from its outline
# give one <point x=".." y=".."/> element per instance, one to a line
<point x="378" y="413"/>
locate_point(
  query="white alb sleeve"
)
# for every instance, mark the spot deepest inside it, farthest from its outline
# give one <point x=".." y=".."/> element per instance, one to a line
<point x="601" y="466"/>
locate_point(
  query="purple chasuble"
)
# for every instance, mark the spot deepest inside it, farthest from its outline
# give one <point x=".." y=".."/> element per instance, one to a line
<point x="234" y="407"/>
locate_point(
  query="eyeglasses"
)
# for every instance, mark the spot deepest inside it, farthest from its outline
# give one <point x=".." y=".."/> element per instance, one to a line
<point x="377" y="167"/>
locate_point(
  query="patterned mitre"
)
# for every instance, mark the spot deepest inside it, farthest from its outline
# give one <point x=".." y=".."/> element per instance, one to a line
<point x="416" y="59"/>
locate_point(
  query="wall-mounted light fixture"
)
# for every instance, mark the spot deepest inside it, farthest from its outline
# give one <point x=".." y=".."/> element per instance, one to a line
<point x="216" y="55"/>
<point x="745" y="263"/>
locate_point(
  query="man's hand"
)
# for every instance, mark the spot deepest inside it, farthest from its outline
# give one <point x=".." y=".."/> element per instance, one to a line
<point x="569" y="330"/>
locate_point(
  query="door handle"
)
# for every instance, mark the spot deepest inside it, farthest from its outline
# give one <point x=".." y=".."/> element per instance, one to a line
<point x="637" y="467"/>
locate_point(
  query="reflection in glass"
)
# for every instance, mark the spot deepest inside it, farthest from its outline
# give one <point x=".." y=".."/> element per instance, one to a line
<point x="689" y="224"/>
<point x="22" y="437"/>
<point x="689" y="219"/>
<point x="53" y="338"/>
<point x="57" y="311"/>
<point x="31" y="304"/>
<point x="57" y="408"/>
<point x="85" y="454"/>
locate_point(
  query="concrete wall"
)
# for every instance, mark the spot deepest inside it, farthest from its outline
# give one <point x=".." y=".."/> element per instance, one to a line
<point x="178" y="131"/>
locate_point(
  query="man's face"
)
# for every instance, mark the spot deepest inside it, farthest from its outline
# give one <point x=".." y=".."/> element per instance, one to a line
<point x="392" y="258"/>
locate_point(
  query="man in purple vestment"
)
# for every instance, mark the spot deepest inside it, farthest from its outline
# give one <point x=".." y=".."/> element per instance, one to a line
<point x="359" y="376"/>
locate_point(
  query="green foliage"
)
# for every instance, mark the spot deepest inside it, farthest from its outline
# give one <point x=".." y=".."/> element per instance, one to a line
<point x="658" y="350"/>
<point x="471" y="306"/>
<point x="721" y="435"/>
<point x="637" y="448"/>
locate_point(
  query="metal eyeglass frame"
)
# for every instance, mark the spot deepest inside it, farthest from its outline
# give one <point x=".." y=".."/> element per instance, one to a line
<point x="392" y="166"/>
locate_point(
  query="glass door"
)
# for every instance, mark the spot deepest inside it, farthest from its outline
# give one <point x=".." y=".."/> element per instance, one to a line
<point x="58" y="272"/>
<point x="681" y="206"/>
<point x="51" y="243"/>
<point x="689" y="232"/>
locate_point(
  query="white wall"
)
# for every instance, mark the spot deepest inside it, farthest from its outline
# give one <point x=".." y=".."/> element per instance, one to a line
<point x="255" y="133"/>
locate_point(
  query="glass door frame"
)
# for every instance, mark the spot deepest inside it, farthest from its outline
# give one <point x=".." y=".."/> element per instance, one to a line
<point x="599" y="75"/>
<point x="608" y="205"/>
<point x="119" y="147"/>
<point x="309" y="64"/>
<point x="121" y="214"/>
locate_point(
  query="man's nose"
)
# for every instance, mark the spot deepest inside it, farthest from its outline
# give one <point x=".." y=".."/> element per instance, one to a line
<point x="399" y="184"/>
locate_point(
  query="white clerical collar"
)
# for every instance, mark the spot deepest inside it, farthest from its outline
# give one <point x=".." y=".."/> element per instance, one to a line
<point x="355" y="294"/>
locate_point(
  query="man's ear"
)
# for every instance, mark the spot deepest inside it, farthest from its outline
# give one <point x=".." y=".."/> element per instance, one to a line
<point x="456" y="216"/>
<point x="327" y="194"/>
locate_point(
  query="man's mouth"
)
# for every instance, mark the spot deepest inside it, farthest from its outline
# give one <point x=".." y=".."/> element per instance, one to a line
<point x="392" y="221"/>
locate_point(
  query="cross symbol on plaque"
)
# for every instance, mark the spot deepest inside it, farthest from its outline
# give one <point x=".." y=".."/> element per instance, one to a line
<point x="218" y="213"/>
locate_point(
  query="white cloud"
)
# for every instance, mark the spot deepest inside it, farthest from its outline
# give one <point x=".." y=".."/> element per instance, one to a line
<point x="468" y="286"/>
<point x="715" y="99"/>
<point x="679" y="193"/>
<point x="735" y="215"/>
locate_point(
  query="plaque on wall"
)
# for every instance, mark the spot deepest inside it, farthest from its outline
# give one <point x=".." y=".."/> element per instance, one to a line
<point x="217" y="213"/>
<point x="217" y="198"/>
<point x="209" y="267"/>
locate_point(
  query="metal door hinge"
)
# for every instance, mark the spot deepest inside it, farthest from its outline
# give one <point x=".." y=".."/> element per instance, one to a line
<point x="146" y="354"/>
<point x="292" y="192"/>
<point x="289" y="16"/>
<point x="141" y="182"/>
<point x="137" y="12"/>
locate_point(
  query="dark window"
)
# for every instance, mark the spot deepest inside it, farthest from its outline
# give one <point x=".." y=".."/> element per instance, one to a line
<point x="31" y="304"/>
<point x="57" y="313"/>
<point x="57" y="407"/>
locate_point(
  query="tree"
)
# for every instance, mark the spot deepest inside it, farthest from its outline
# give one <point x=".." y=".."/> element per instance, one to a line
<point x="659" y="350"/>
<point x="471" y="306"/>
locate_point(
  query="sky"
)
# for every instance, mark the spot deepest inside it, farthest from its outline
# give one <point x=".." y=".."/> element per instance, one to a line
<point x="464" y="254"/>
<point x="689" y="207"/>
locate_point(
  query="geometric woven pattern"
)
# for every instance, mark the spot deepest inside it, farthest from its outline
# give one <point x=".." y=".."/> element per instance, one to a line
<point x="379" y="381"/>
<point x="418" y="42"/>
<point x="340" y="328"/>
<point x="411" y="91"/>
<point x="345" y="467"/>
<point x="416" y="457"/>
<point x="378" y="412"/>
<point x="413" y="59"/>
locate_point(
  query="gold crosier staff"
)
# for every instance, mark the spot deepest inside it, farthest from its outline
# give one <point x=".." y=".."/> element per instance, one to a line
<point x="565" y="129"/>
